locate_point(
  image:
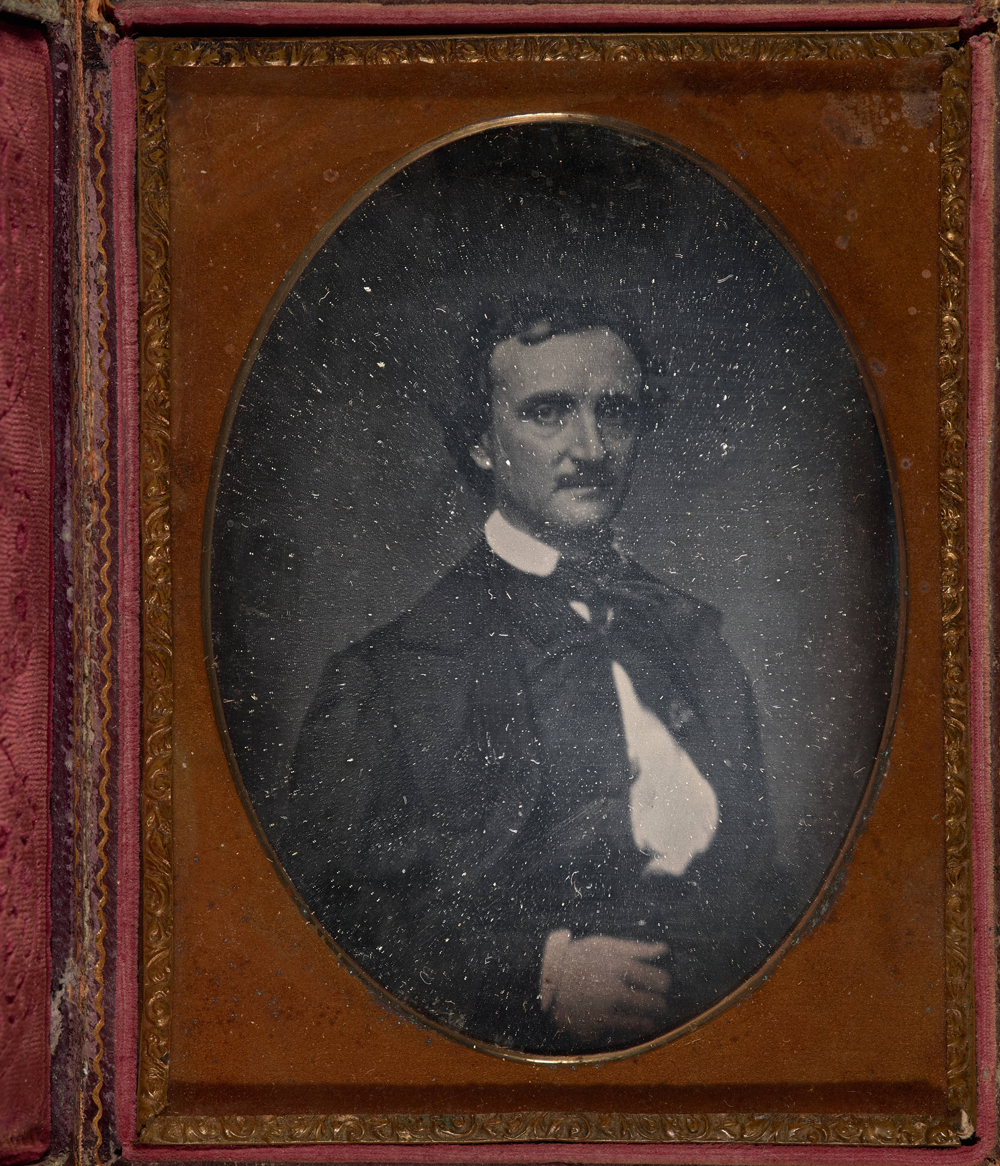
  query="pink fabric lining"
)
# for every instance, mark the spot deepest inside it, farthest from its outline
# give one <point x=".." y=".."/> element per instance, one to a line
<point x="149" y="13"/>
<point x="123" y="132"/>
<point x="26" y="469"/>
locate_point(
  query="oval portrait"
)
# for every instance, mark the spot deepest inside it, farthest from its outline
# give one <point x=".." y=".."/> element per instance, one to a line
<point x="553" y="586"/>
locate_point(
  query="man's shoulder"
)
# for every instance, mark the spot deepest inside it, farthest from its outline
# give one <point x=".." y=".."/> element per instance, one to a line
<point x="691" y="630"/>
<point x="448" y="618"/>
<point x="680" y="607"/>
<point x="431" y="647"/>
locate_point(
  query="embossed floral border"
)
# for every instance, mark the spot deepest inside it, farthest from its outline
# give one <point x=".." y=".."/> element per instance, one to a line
<point x="153" y="57"/>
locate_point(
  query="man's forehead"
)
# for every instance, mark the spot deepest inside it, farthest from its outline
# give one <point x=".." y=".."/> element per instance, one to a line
<point x="588" y="359"/>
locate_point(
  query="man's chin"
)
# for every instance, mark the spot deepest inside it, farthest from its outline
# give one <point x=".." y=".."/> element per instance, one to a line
<point x="584" y="510"/>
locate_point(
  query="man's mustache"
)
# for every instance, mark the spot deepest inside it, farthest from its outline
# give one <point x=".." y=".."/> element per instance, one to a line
<point x="586" y="476"/>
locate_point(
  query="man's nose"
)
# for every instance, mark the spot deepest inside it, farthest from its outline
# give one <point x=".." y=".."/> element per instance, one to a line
<point x="587" y="445"/>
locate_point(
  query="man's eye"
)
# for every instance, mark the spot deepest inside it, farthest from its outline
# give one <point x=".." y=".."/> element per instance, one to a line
<point x="546" y="413"/>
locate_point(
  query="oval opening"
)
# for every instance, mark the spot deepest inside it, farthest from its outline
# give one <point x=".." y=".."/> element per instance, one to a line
<point x="552" y="583"/>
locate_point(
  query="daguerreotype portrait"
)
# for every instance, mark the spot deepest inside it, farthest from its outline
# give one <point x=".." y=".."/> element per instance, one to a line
<point x="553" y="587"/>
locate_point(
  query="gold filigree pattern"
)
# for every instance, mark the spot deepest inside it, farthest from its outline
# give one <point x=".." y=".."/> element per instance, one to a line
<point x="104" y="529"/>
<point x="423" y="1129"/>
<point x="154" y="56"/>
<point x="93" y="607"/>
<point x="952" y="344"/>
<point x="157" y="662"/>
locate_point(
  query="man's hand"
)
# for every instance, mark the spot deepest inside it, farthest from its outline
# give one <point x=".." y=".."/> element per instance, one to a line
<point x="598" y="988"/>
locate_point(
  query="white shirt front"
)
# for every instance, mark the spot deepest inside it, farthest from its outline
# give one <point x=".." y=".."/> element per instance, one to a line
<point x="674" y="810"/>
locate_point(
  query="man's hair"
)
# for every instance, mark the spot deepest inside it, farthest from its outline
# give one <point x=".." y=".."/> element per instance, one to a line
<point x="464" y="414"/>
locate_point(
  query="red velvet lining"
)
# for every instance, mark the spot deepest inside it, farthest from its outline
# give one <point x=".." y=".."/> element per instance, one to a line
<point x="25" y="588"/>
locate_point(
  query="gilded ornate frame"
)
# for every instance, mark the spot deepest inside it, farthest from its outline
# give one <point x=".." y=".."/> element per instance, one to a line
<point x="154" y="57"/>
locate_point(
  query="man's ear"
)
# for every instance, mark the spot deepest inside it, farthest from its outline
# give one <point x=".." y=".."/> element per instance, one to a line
<point x="481" y="456"/>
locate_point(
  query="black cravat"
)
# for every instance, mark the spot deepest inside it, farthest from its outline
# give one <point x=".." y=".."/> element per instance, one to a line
<point x="593" y="579"/>
<point x="621" y="601"/>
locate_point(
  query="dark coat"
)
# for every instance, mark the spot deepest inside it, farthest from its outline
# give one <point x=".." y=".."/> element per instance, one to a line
<point x="460" y="790"/>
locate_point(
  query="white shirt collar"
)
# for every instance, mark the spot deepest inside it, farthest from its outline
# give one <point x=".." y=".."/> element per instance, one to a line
<point x="520" y="549"/>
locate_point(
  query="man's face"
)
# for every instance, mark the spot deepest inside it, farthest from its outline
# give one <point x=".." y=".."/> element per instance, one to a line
<point x="562" y="438"/>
